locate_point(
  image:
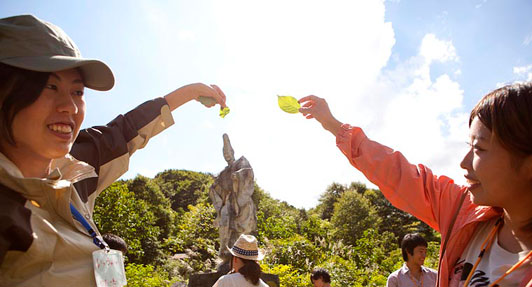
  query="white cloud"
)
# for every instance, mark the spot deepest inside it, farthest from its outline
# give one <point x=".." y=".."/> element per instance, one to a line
<point x="334" y="49"/>
<point x="525" y="72"/>
<point x="434" y="49"/>
<point x="421" y="117"/>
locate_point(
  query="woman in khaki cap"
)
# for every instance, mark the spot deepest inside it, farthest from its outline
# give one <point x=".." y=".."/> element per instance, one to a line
<point x="245" y="269"/>
<point x="50" y="171"/>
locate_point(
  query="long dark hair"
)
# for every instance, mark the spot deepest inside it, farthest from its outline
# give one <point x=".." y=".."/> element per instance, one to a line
<point x="251" y="271"/>
<point x="507" y="113"/>
<point x="19" y="88"/>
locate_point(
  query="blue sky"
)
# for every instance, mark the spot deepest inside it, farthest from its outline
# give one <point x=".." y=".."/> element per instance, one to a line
<point x="408" y="72"/>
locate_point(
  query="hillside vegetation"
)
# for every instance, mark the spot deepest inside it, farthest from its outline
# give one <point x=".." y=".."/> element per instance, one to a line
<point x="167" y="221"/>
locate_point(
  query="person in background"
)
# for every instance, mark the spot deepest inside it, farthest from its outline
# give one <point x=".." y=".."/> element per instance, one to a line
<point x="245" y="270"/>
<point x="51" y="171"/>
<point x="485" y="225"/>
<point x="320" y="278"/>
<point x="413" y="273"/>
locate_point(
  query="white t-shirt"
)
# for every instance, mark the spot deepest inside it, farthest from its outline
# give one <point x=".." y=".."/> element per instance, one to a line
<point x="236" y="280"/>
<point x="495" y="262"/>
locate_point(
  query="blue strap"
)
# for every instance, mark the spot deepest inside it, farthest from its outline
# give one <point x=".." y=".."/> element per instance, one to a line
<point x="99" y="242"/>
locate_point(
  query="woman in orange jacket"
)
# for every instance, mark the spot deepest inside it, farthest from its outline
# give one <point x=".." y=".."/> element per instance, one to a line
<point x="486" y="226"/>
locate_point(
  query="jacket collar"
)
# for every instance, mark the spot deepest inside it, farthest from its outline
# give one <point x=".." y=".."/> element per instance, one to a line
<point x="56" y="191"/>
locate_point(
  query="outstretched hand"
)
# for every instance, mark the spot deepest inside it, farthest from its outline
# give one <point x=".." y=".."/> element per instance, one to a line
<point x="313" y="107"/>
<point x="208" y="95"/>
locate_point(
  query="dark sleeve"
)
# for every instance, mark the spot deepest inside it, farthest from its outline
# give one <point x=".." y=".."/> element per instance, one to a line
<point x="108" y="148"/>
<point x="15" y="225"/>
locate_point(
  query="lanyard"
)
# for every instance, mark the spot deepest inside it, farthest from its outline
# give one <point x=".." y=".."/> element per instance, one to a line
<point x="487" y="244"/>
<point x="97" y="240"/>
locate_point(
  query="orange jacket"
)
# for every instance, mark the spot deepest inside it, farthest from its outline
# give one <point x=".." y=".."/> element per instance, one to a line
<point x="414" y="189"/>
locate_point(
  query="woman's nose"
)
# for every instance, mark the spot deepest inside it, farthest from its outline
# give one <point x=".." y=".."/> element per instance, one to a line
<point x="466" y="161"/>
<point x="66" y="103"/>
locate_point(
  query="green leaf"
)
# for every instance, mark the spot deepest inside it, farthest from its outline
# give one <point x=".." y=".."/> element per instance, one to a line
<point x="288" y="104"/>
<point x="224" y="112"/>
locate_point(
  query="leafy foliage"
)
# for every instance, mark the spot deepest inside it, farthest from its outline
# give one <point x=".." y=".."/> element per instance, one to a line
<point x="353" y="214"/>
<point x="167" y="222"/>
<point x="118" y="211"/>
<point x="139" y="275"/>
<point x="184" y="188"/>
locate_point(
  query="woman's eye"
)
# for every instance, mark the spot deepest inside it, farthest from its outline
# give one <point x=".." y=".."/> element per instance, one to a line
<point x="78" y="93"/>
<point x="51" y="86"/>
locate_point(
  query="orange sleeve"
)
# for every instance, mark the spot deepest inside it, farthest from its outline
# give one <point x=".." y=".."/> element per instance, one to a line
<point x="411" y="188"/>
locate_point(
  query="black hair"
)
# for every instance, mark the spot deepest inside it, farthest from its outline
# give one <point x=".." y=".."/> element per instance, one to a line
<point x="251" y="270"/>
<point x="318" y="273"/>
<point x="115" y="242"/>
<point x="411" y="241"/>
<point x="19" y="88"/>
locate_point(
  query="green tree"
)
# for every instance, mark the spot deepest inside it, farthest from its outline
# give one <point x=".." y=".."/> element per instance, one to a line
<point x="314" y="228"/>
<point x="353" y="213"/>
<point x="197" y="238"/>
<point x="118" y="211"/>
<point x="327" y="200"/>
<point x="397" y="221"/>
<point x="184" y="187"/>
<point x="147" y="190"/>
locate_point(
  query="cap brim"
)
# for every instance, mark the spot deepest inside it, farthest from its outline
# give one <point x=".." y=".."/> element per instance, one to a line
<point x="96" y="74"/>
<point x="259" y="257"/>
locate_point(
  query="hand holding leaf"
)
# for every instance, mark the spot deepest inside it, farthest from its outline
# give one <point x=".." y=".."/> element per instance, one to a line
<point x="209" y="102"/>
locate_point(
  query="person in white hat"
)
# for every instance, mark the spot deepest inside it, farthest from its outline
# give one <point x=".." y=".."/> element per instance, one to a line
<point x="245" y="269"/>
<point x="51" y="171"/>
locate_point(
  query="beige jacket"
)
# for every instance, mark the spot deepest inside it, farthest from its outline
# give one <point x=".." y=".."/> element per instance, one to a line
<point x="41" y="244"/>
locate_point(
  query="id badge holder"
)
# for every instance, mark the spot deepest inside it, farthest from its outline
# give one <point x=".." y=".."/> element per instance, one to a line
<point x="109" y="268"/>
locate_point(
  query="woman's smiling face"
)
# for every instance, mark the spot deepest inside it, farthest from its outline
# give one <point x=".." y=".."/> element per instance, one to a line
<point x="492" y="174"/>
<point x="47" y="128"/>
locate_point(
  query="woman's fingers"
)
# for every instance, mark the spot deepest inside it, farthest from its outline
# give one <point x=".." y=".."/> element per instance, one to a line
<point x="221" y="94"/>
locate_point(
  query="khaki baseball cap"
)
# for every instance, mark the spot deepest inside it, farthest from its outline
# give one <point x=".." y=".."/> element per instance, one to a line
<point x="30" y="43"/>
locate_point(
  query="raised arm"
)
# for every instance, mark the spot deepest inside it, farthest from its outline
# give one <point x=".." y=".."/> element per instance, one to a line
<point x="193" y="92"/>
<point x="409" y="187"/>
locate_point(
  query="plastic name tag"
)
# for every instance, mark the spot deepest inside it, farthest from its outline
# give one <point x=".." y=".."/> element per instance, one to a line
<point x="109" y="268"/>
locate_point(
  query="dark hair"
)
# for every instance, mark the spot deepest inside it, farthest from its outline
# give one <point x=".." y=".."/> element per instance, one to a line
<point x="318" y="273"/>
<point x="19" y="88"/>
<point x="251" y="270"/>
<point x="507" y="113"/>
<point x="411" y="241"/>
<point x="115" y="242"/>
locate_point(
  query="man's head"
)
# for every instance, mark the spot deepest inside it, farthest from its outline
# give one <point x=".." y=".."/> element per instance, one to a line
<point x="414" y="248"/>
<point x="320" y="277"/>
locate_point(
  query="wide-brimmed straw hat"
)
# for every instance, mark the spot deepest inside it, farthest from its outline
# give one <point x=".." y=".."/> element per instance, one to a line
<point x="30" y="43"/>
<point x="246" y="247"/>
